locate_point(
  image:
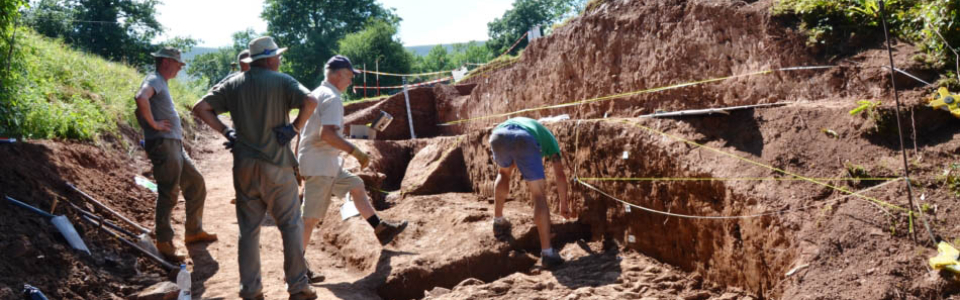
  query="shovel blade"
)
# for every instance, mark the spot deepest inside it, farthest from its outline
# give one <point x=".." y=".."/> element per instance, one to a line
<point x="69" y="233"/>
<point x="146" y="243"/>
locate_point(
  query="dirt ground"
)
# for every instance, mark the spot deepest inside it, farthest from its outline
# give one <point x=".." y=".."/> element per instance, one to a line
<point x="787" y="170"/>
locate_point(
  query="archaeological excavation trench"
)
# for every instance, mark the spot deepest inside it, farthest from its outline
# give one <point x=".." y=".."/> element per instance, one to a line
<point x="445" y="191"/>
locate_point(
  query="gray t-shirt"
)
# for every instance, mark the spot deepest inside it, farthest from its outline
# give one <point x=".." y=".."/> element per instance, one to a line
<point x="161" y="106"/>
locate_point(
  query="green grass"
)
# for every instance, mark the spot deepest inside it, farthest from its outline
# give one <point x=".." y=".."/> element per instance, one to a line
<point x="63" y="93"/>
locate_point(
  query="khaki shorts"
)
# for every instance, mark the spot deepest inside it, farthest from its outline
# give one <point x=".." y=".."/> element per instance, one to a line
<point x="317" y="191"/>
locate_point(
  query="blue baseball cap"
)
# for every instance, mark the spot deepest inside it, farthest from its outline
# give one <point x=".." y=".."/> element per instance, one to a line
<point x="341" y="62"/>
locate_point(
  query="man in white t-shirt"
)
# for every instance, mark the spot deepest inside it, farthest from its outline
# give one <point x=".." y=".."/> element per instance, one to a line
<point x="319" y="156"/>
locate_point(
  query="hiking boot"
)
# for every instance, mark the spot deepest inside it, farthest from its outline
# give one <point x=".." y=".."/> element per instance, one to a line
<point x="551" y="261"/>
<point x="202" y="237"/>
<point x="501" y="230"/>
<point x="169" y="251"/>
<point x="387" y="230"/>
<point x="315" y="277"/>
<point x="307" y="294"/>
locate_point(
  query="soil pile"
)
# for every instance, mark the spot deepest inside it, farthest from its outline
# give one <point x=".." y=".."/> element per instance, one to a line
<point x="36" y="172"/>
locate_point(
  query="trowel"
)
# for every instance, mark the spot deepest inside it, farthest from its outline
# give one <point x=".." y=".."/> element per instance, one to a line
<point x="63" y="225"/>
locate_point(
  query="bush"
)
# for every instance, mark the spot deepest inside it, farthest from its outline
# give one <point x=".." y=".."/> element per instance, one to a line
<point x="834" y="24"/>
<point x="63" y="93"/>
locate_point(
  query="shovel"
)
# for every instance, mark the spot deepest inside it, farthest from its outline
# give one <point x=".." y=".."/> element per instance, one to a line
<point x="143" y="240"/>
<point x="62" y="224"/>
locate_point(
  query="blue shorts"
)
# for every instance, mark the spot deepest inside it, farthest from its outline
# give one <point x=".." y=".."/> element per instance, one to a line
<point x="512" y="144"/>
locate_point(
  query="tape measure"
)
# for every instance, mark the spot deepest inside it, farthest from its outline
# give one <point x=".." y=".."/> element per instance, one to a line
<point x="946" y="101"/>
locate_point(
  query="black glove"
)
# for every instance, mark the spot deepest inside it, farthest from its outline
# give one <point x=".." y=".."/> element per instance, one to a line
<point x="285" y="133"/>
<point x="231" y="136"/>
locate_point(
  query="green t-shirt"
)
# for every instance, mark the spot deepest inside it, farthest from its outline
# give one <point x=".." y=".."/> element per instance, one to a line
<point x="548" y="143"/>
<point x="258" y="101"/>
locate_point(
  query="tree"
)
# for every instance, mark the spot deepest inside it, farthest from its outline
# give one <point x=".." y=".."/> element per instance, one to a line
<point x="119" y="30"/>
<point x="471" y="52"/>
<point x="241" y="39"/>
<point x="311" y="30"/>
<point x="524" y="15"/>
<point x="212" y="67"/>
<point x="437" y="60"/>
<point x="11" y="64"/>
<point x="376" y="44"/>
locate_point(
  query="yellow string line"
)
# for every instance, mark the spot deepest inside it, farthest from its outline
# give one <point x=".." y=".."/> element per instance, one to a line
<point x="731" y="179"/>
<point x="627" y="94"/>
<point x="779" y="212"/>
<point x="692" y="143"/>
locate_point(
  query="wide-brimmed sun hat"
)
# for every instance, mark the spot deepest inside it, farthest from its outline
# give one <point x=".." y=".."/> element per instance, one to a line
<point x="169" y="52"/>
<point x="263" y="47"/>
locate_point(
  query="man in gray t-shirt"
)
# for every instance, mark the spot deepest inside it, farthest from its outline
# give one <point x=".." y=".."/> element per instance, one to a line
<point x="172" y="168"/>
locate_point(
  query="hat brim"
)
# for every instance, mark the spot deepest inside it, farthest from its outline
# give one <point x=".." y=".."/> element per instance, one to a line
<point x="160" y="55"/>
<point x="256" y="57"/>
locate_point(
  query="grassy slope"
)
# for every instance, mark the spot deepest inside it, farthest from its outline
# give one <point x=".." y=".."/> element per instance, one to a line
<point x="64" y="93"/>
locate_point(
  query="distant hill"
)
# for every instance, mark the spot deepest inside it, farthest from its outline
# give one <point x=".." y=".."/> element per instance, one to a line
<point x="423" y="50"/>
<point x="197" y="51"/>
<point x="190" y="55"/>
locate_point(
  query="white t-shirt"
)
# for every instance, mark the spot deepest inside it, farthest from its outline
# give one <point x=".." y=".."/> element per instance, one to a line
<point x="316" y="157"/>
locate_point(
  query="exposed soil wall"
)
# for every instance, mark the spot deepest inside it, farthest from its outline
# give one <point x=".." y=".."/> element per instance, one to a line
<point x="718" y="250"/>
<point x="627" y="46"/>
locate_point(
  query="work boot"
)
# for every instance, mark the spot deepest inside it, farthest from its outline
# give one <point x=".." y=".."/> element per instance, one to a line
<point x="202" y="237"/>
<point x="551" y="261"/>
<point x="501" y="229"/>
<point x="315" y="277"/>
<point x="387" y="230"/>
<point x="169" y="251"/>
<point x="307" y="294"/>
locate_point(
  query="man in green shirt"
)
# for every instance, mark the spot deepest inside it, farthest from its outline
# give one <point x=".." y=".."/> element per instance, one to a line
<point x="259" y="101"/>
<point x="523" y="143"/>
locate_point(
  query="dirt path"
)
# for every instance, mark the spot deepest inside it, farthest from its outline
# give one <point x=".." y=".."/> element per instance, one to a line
<point x="214" y="266"/>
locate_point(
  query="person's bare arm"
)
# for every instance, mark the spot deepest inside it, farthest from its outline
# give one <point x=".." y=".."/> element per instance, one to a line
<point x="561" y="178"/>
<point x="329" y="134"/>
<point x="309" y="105"/>
<point x="208" y="115"/>
<point x="143" y="109"/>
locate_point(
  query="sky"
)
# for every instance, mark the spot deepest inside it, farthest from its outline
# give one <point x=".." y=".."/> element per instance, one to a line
<point x="425" y="22"/>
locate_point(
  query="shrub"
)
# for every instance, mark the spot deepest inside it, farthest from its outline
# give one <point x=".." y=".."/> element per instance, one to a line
<point x="831" y="25"/>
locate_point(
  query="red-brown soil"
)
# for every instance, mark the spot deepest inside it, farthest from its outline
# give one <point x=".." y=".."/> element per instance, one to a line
<point x="812" y="242"/>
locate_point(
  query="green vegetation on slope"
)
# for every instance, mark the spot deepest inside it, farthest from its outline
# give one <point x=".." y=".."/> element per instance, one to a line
<point x="833" y="25"/>
<point x="63" y="93"/>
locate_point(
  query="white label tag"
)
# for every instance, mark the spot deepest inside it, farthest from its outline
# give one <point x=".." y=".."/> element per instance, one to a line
<point x="631" y="239"/>
<point x="627" y="208"/>
<point x="626" y="155"/>
<point x="348" y="209"/>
